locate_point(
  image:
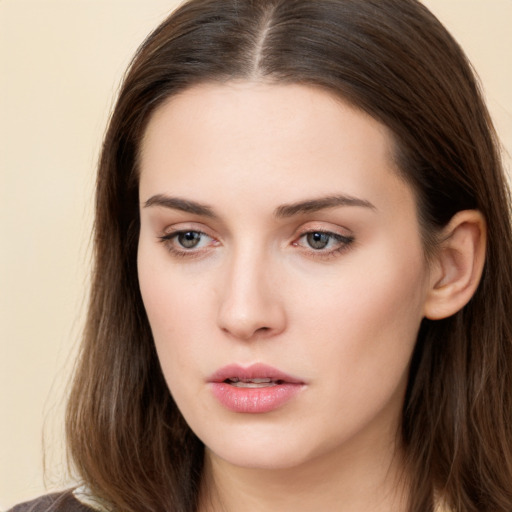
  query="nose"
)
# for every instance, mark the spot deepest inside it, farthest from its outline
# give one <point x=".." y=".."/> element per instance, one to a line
<point x="251" y="304"/>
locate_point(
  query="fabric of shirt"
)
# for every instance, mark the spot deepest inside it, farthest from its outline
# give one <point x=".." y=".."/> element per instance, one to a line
<point x="56" y="502"/>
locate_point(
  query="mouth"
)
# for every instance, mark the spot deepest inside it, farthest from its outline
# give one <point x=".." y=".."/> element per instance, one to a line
<point x="255" y="376"/>
<point x="255" y="389"/>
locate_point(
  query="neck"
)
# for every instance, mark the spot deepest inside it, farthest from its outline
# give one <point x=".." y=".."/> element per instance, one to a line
<point x="364" y="479"/>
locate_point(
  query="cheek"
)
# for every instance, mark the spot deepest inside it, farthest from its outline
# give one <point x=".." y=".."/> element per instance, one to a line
<point x="179" y="308"/>
<point x="365" y="321"/>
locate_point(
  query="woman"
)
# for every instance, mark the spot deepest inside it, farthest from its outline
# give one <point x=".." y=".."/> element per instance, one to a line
<point x="302" y="277"/>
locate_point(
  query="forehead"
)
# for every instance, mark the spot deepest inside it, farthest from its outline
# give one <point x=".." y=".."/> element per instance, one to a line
<point x="255" y="137"/>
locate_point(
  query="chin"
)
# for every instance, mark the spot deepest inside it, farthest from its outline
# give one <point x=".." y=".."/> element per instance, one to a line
<point x="259" y="451"/>
<point x="262" y="458"/>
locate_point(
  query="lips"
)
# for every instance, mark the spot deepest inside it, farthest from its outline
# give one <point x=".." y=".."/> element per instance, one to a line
<point x="255" y="389"/>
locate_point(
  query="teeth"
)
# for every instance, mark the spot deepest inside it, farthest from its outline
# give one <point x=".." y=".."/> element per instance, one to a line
<point x="241" y="384"/>
<point x="252" y="383"/>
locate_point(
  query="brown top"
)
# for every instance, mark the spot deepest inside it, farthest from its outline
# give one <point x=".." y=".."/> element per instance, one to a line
<point x="57" y="502"/>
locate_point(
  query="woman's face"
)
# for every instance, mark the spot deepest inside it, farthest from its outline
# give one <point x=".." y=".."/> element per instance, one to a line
<point x="282" y="271"/>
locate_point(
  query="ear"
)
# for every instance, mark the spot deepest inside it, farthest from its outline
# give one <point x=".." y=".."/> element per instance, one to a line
<point x="457" y="266"/>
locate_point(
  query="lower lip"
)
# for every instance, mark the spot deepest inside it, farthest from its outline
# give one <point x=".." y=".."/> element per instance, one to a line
<point x="254" y="400"/>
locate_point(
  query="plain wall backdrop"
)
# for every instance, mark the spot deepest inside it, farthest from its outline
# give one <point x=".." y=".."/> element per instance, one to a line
<point x="61" y="62"/>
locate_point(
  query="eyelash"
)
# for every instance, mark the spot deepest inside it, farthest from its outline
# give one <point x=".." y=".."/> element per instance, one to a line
<point x="344" y="243"/>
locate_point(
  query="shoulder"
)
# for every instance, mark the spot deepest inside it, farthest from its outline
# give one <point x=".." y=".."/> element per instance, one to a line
<point x="57" y="502"/>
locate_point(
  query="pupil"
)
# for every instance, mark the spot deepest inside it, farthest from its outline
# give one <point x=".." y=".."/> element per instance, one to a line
<point x="189" y="239"/>
<point x="317" y="240"/>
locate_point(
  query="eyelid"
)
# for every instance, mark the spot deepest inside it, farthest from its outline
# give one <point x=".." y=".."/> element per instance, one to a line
<point x="323" y="227"/>
<point x="182" y="227"/>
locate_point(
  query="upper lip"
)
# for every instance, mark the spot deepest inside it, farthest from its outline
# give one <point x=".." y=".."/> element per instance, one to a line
<point x="254" y="371"/>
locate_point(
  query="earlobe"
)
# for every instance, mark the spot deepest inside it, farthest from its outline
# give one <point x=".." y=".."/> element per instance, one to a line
<point x="458" y="265"/>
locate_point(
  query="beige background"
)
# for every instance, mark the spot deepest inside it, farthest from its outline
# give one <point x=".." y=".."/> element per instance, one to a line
<point x="60" y="64"/>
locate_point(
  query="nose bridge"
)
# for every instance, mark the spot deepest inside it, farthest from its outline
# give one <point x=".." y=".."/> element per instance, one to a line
<point x="250" y="302"/>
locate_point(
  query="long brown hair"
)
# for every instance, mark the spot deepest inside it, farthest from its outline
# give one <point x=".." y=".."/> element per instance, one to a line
<point x="395" y="61"/>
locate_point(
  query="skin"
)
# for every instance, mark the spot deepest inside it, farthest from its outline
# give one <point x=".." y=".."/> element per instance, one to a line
<point x="342" y="319"/>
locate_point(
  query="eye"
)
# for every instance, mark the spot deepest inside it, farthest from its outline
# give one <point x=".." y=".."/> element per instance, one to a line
<point x="318" y="240"/>
<point x="189" y="239"/>
<point x="186" y="242"/>
<point x="324" y="242"/>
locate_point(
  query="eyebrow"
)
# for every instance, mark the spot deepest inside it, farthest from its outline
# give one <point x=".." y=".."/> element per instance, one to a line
<point x="322" y="203"/>
<point x="283" y="211"/>
<point x="184" y="205"/>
